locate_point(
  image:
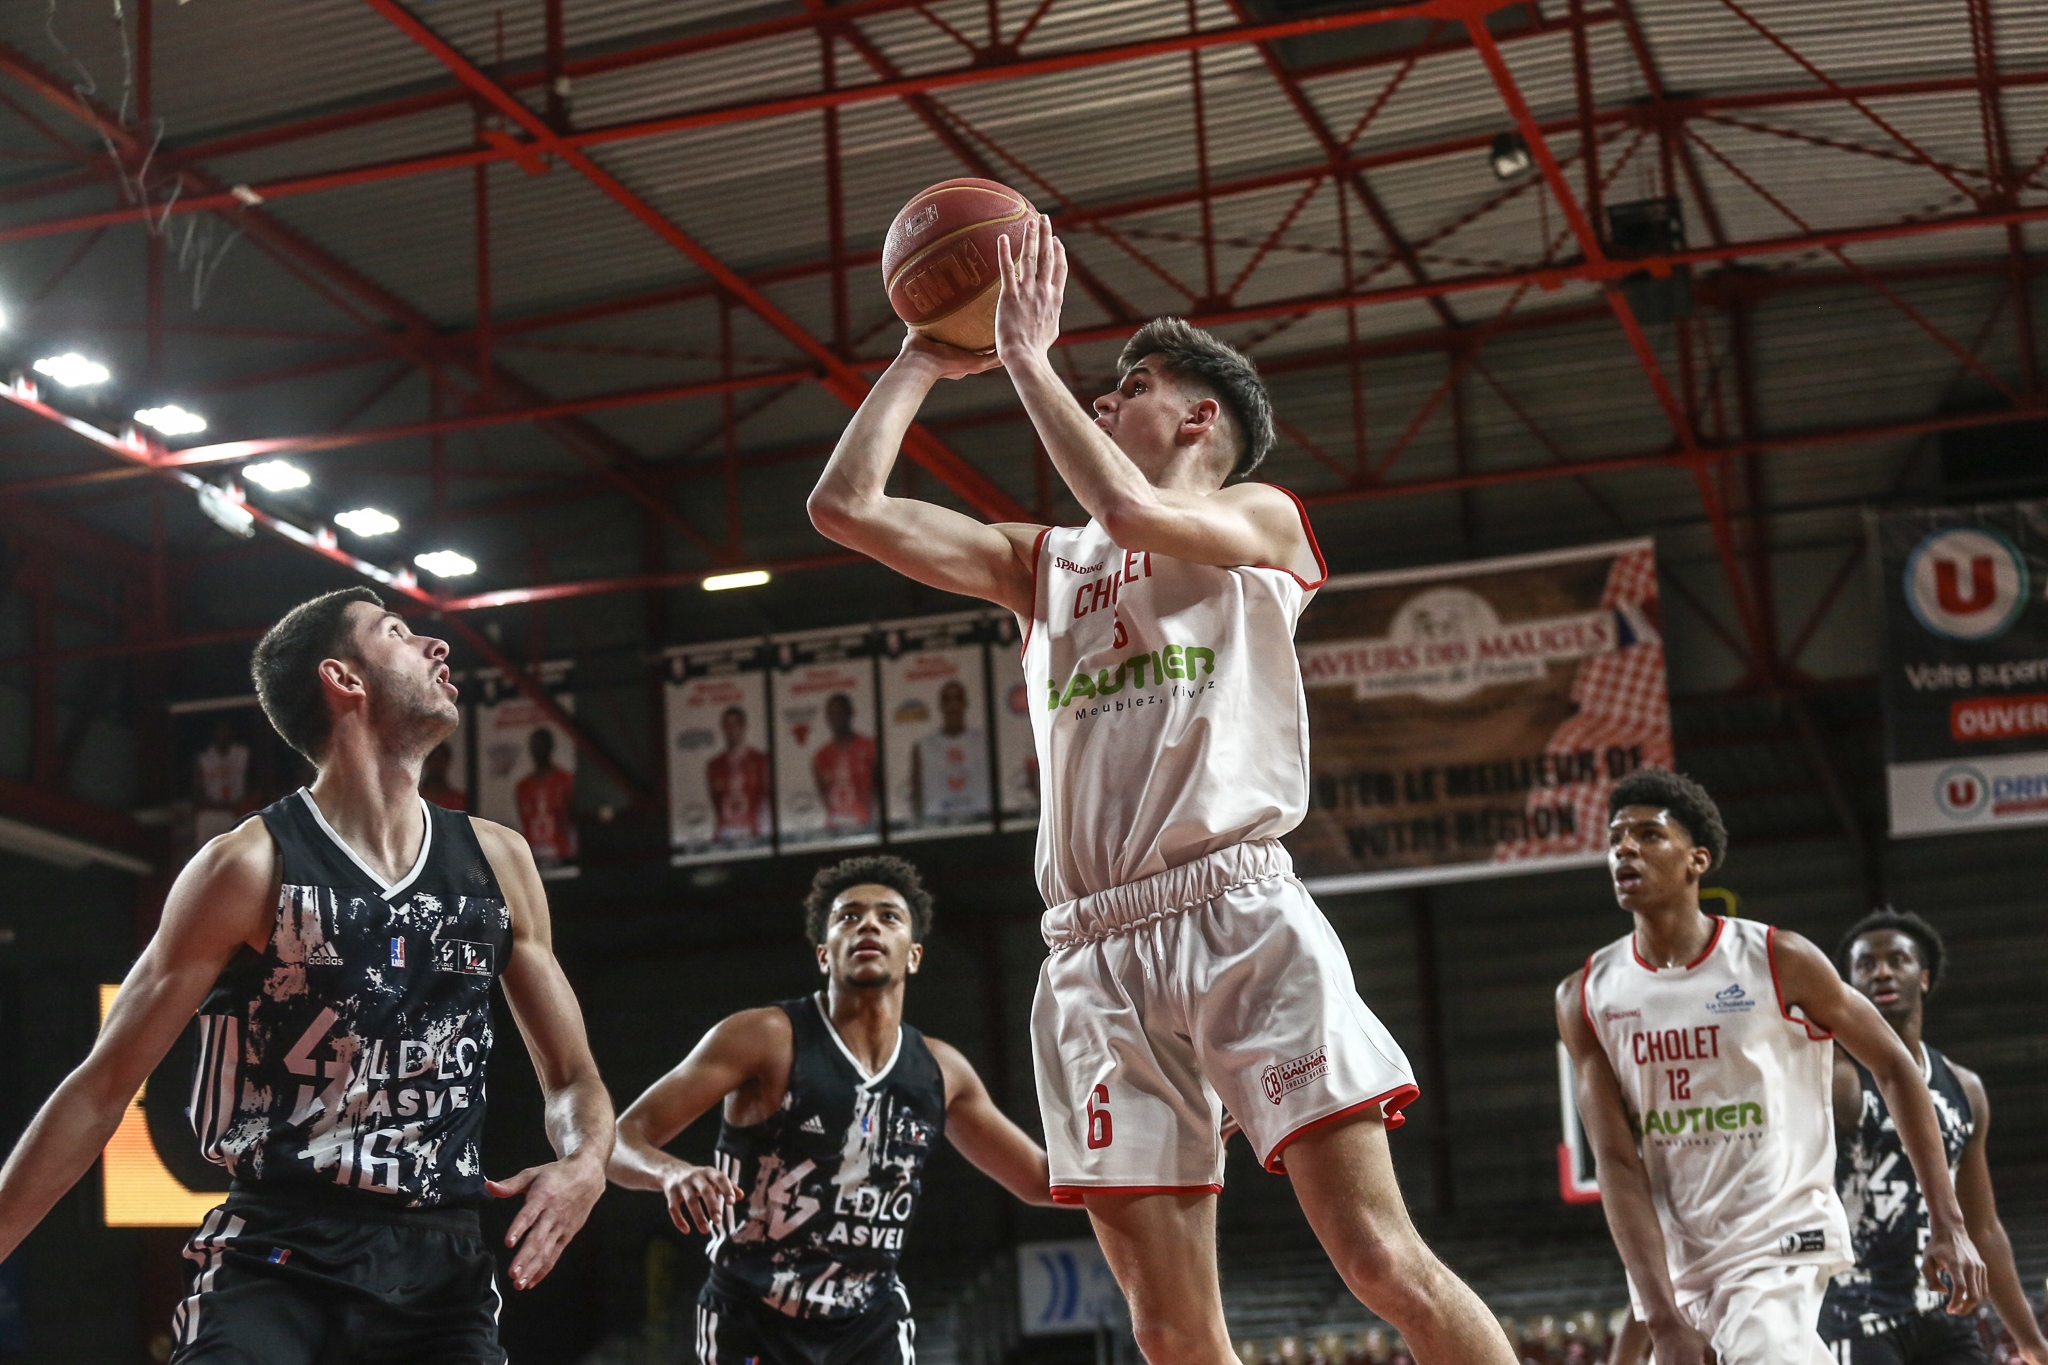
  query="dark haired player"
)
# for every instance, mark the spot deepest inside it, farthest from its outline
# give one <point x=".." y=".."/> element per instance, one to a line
<point x="340" y="951"/>
<point x="1700" y="1045"/>
<point x="832" y="1106"/>
<point x="1880" y="1312"/>
<point x="1189" y="971"/>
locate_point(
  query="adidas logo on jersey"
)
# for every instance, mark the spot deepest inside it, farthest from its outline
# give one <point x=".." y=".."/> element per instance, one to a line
<point x="813" y="1124"/>
<point x="323" y="954"/>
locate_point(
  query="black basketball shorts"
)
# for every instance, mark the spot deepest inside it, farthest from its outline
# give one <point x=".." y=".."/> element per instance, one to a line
<point x="735" y="1331"/>
<point x="287" y="1279"/>
<point x="1930" y="1339"/>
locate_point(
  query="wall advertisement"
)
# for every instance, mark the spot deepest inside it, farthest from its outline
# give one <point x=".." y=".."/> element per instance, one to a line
<point x="1469" y="719"/>
<point x="1965" y="680"/>
<point x="828" y="769"/>
<point x="526" y="765"/>
<point x="721" y="790"/>
<point x="935" y="727"/>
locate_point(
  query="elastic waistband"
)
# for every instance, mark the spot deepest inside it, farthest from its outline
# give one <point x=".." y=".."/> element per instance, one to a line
<point x="335" y="1202"/>
<point x="1120" y="909"/>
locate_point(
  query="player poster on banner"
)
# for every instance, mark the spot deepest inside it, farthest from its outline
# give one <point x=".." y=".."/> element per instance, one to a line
<point x="1016" y="750"/>
<point x="1469" y="719"/>
<point x="720" y="788"/>
<point x="1966" y="666"/>
<point x="828" y="790"/>
<point x="935" y="705"/>
<point x="526" y="766"/>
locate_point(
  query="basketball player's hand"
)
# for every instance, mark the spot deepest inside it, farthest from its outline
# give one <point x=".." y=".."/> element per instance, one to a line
<point x="1680" y="1344"/>
<point x="1033" y="271"/>
<point x="559" y="1197"/>
<point x="1951" y="1253"/>
<point x="943" y="361"/>
<point x="698" y="1197"/>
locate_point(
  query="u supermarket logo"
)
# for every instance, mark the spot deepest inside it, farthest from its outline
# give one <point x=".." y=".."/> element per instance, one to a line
<point x="1966" y="583"/>
<point x="1961" y="792"/>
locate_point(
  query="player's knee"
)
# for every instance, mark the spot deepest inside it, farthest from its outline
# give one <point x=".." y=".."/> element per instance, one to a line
<point x="1390" y="1274"/>
<point x="1161" y="1338"/>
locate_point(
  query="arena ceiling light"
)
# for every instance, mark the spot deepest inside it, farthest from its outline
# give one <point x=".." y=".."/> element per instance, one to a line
<point x="366" y="521"/>
<point x="445" y="563"/>
<point x="749" y="578"/>
<point x="73" y="370"/>
<point x="1510" y="156"/>
<point x="276" y="475"/>
<point x="172" y="420"/>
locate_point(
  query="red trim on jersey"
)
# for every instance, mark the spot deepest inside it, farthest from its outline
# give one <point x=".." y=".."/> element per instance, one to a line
<point x="1585" y="975"/>
<point x="1037" y="553"/>
<point x="1074" y="1195"/>
<point x="1720" y="923"/>
<point x="1389" y="1104"/>
<point x="1818" y="1035"/>
<point x="1322" y="566"/>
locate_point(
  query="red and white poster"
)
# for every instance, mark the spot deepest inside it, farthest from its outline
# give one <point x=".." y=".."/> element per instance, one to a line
<point x="526" y="766"/>
<point x="828" y="764"/>
<point x="935" y="713"/>
<point x="1016" y="750"/>
<point x="1468" y="720"/>
<point x="721" y="790"/>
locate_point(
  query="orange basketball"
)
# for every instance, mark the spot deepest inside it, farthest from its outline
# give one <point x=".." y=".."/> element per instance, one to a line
<point x="939" y="261"/>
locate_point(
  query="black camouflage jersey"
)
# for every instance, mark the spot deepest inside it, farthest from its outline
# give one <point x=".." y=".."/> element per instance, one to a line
<point x="1887" y="1212"/>
<point x="831" y="1179"/>
<point x="351" y="1051"/>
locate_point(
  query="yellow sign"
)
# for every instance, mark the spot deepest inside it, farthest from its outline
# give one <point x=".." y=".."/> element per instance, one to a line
<point x="140" y="1190"/>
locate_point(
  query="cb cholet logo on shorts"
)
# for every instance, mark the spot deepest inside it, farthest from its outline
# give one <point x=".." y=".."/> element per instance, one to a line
<point x="1283" y="1078"/>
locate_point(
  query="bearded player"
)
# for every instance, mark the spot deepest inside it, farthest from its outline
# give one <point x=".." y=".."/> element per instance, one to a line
<point x="1189" y="971"/>
<point x="831" y="1107"/>
<point x="1704" y="1077"/>
<point x="340" y="950"/>
<point x="1881" y="1312"/>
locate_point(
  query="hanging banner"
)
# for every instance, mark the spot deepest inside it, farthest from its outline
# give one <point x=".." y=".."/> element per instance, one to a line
<point x="1016" y="750"/>
<point x="828" y="790"/>
<point x="720" y="786"/>
<point x="935" y="731"/>
<point x="1966" y="666"/>
<point x="526" y="766"/>
<point x="1469" y="719"/>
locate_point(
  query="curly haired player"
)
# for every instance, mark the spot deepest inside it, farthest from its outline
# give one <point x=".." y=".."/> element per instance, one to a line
<point x="832" y="1105"/>
<point x="1190" y="972"/>
<point x="1701" y="1048"/>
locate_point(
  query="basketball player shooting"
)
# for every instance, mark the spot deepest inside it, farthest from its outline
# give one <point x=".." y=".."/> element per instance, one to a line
<point x="1705" y="1081"/>
<point x="339" y="950"/>
<point x="1189" y="971"/>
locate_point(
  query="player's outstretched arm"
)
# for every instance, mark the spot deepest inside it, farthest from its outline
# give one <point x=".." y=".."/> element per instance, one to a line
<point x="559" y="1194"/>
<point x="225" y="897"/>
<point x="1624" y="1183"/>
<point x="1248" y="523"/>
<point x="1980" y="1214"/>
<point x="932" y="544"/>
<point x="984" y="1134"/>
<point x="1807" y="980"/>
<point x="753" y="1048"/>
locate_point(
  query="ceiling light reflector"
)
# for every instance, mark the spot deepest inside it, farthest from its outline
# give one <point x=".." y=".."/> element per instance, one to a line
<point x="366" y="521"/>
<point x="750" y="578"/>
<point x="172" y="420"/>
<point x="73" y="370"/>
<point x="276" y="475"/>
<point x="445" y="563"/>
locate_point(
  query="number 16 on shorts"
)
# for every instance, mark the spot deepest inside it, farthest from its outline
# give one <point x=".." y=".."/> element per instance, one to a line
<point x="1100" y="1133"/>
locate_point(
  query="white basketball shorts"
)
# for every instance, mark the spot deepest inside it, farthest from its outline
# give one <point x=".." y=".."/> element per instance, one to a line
<point x="1213" y="986"/>
<point x="1763" y="1313"/>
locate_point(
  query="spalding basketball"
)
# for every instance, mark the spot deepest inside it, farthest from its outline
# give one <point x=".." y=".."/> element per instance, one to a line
<point x="939" y="260"/>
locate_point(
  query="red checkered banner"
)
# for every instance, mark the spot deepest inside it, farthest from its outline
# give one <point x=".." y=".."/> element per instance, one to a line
<point x="1469" y="720"/>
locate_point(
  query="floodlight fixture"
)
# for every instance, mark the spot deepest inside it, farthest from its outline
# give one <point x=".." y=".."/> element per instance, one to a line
<point x="171" y="420"/>
<point x="1510" y="156"/>
<point x="73" y="370"/>
<point x="445" y="563"/>
<point x="276" y="475"/>
<point x="226" y="510"/>
<point x="366" y="521"/>
<point x="747" y="578"/>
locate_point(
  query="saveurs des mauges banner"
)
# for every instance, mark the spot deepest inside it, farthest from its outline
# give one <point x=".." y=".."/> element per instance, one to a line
<point x="1468" y="720"/>
<point x="1966" y="665"/>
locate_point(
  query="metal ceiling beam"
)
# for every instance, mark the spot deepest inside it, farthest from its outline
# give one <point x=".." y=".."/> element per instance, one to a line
<point x="979" y="491"/>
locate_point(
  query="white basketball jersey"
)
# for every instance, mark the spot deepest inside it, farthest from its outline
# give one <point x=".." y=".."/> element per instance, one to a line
<point x="1166" y="704"/>
<point x="1731" y="1098"/>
